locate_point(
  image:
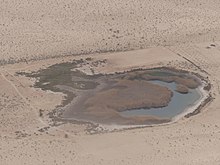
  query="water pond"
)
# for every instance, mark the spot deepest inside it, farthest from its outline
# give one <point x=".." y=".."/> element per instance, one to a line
<point x="178" y="104"/>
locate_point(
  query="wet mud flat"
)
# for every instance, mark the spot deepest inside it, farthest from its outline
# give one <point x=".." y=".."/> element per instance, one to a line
<point x="101" y="98"/>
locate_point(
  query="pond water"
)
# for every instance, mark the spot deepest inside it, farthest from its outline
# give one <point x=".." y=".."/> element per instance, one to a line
<point x="178" y="104"/>
<point x="105" y="98"/>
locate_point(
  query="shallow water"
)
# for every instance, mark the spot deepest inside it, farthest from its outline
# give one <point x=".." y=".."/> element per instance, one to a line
<point x="79" y="88"/>
<point x="178" y="104"/>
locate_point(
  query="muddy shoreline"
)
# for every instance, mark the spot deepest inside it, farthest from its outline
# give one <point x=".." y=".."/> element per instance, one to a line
<point x="85" y="92"/>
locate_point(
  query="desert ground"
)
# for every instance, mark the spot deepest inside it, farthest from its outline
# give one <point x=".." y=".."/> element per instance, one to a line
<point x="126" y="35"/>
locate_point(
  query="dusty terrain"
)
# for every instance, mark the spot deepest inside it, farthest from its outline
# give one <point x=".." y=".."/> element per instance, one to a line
<point x="28" y="136"/>
<point x="180" y="34"/>
<point x="38" y="30"/>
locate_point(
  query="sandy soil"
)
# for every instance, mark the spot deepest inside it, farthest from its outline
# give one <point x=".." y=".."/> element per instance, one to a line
<point x="28" y="138"/>
<point x="36" y="30"/>
<point x="181" y="34"/>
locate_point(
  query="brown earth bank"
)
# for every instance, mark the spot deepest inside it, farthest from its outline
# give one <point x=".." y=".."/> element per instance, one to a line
<point x="104" y="106"/>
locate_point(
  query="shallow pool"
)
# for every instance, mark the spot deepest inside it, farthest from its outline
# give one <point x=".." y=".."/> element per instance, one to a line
<point x="178" y="104"/>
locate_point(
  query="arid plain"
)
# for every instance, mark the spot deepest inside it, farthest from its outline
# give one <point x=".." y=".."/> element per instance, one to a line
<point x="121" y="35"/>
